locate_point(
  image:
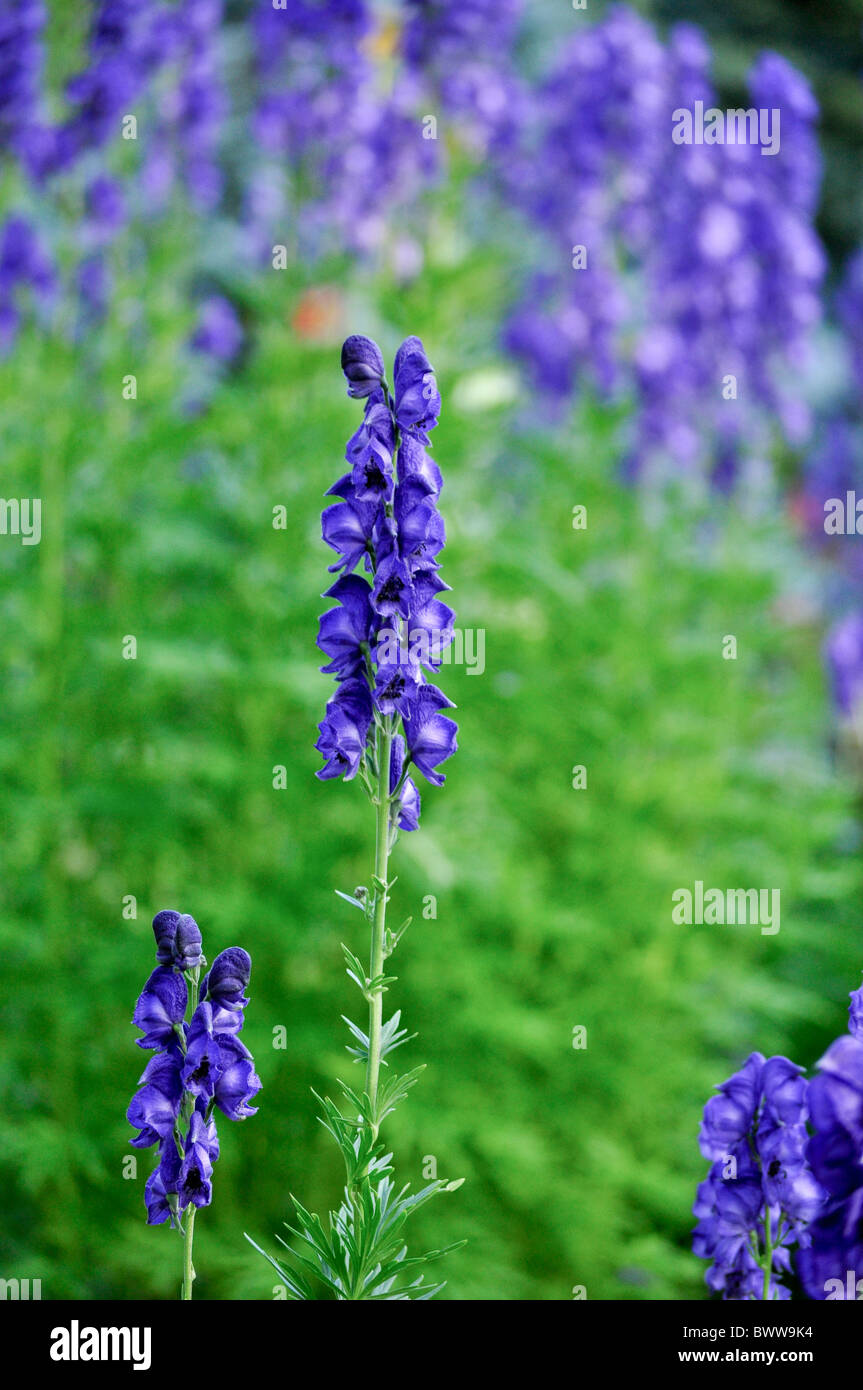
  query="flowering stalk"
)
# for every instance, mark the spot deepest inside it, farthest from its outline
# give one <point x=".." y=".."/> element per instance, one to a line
<point x="198" y="1065"/>
<point x="387" y="633"/>
<point x="760" y="1193"/>
<point x="772" y="1185"/>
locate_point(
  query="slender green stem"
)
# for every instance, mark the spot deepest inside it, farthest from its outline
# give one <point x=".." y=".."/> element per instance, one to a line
<point x="192" y="978"/>
<point x="188" y="1267"/>
<point x="768" y="1257"/>
<point x="376" y="952"/>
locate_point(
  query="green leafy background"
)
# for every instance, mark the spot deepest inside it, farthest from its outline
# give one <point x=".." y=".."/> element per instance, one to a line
<point x="154" y="778"/>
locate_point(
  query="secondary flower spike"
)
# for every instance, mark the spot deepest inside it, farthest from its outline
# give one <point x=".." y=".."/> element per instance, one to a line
<point x="199" y="1064"/>
<point x="388" y="628"/>
<point x="760" y="1195"/>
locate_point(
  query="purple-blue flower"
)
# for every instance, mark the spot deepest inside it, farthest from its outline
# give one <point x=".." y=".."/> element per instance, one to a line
<point x="196" y="1170"/>
<point x="237" y="1081"/>
<point x="836" y="1155"/>
<point x="389" y="628"/>
<point x="200" y="1065"/>
<point x="178" y="940"/>
<point x="21" y="28"/>
<point x="203" y="1057"/>
<point x="161" y="1007"/>
<point x="218" y="333"/>
<point x="760" y="1195"/>
<point x="844" y="652"/>
<point x="224" y="988"/>
<point x="417" y="399"/>
<point x="430" y="735"/>
<point x="165" y="925"/>
<point x="362" y="364"/>
<point x="155" y="1106"/>
<point x="346" y="630"/>
<point x="344" y="730"/>
<point x="160" y="1191"/>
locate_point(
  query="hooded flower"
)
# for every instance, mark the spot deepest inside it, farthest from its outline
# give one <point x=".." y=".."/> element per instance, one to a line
<point x="187" y="944"/>
<point x="203" y="1058"/>
<point x="392" y="593"/>
<point x="344" y="730"/>
<point x="415" y="463"/>
<point x="224" y="987"/>
<point x="836" y="1155"/>
<point x="161" y="1007"/>
<point x="160" y="1192"/>
<point x="165" y="931"/>
<point x="218" y="333"/>
<point x="154" y="1108"/>
<point x="430" y="735"/>
<point x="370" y="452"/>
<point x="237" y="1082"/>
<point x="194" y="1182"/>
<point x="363" y="365"/>
<point x="728" y="1117"/>
<point x="421" y="529"/>
<point x="417" y="399"/>
<point x="396" y="686"/>
<point x="178" y="940"/>
<point x="344" y="631"/>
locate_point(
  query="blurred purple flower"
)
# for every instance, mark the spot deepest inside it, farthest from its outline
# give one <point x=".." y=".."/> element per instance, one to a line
<point x="844" y="653"/>
<point x="218" y="333"/>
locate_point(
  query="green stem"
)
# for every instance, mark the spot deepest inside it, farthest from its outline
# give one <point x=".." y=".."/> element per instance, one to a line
<point x="768" y="1258"/>
<point x="376" y="952"/>
<point x="188" y="1267"/>
<point x="192" y="978"/>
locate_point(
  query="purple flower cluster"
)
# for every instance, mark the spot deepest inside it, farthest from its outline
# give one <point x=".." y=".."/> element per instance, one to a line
<point x="760" y="1195"/>
<point x="844" y="655"/>
<point x="198" y="1065"/>
<point x="389" y="628"/>
<point x="832" y="1265"/>
<point x="698" y="262"/>
<point x="833" y="470"/>
<point x="460" y="51"/>
<point x="21" y="26"/>
<point x="201" y="103"/>
<point x="351" y="149"/>
<point x="128" y="43"/>
<point x="218" y="333"/>
<point x="25" y="270"/>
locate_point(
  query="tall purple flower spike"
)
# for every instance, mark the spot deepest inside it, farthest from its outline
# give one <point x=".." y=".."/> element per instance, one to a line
<point x="389" y="627"/>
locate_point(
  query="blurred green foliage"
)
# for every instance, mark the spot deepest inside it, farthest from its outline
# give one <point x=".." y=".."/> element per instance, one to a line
<point x="154" y="777"/>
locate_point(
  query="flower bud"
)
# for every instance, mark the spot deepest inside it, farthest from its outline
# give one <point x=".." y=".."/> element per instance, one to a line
<point x="187" y="944"/>
<point x="362" y="364"/>
<point x="165" y="931"/>
<point x="228" y="976"/>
